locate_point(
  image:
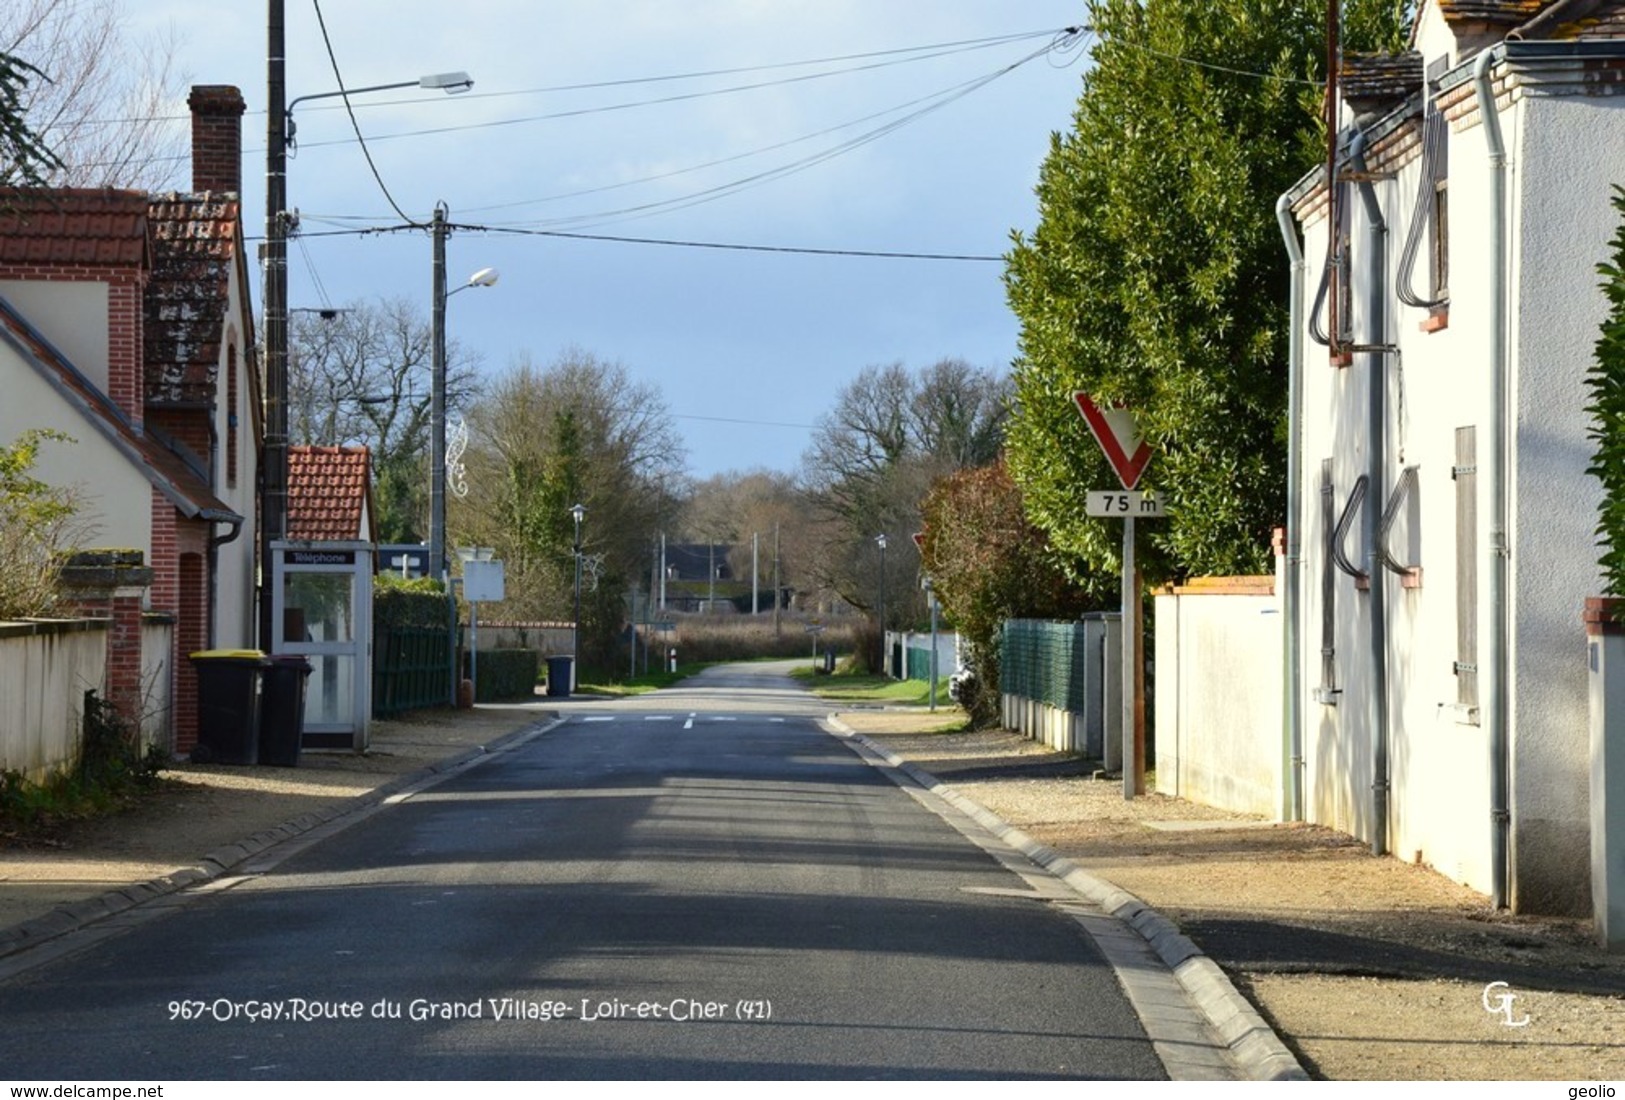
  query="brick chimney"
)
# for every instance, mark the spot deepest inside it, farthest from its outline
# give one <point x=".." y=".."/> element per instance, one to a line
<point x="217" y="137"/>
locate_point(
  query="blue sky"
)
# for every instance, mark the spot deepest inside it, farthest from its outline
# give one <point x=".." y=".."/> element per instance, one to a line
<point x="748" y="349"/>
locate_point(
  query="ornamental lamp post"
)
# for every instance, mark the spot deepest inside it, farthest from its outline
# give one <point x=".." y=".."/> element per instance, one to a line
<point x="486" y="276"/>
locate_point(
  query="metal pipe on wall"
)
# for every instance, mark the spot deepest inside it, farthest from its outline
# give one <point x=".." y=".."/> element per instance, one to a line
<point x="1292" y="596"/>
<point x="1375" y="350"/>
<point x="1495" y="709"/>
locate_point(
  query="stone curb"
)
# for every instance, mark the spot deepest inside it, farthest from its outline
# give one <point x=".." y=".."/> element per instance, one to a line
<point x="1257" y="1050"/>
<point x="74" y="915"/>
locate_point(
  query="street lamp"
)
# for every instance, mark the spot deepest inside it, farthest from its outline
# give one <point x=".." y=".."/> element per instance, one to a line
<point x="279" y="222"/>
<point x="880" y="541"/>
<point x="450" y="83"/>
<point x="486" y="276"/>
<point x="576" y="512"/>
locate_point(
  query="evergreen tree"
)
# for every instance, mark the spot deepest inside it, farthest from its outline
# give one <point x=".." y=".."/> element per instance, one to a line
<point x="1156" y="276"/>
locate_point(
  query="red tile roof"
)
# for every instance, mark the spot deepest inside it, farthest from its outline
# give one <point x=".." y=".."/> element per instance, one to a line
<point x="99" y="227"/>
<point x="1491" y="11"/>
<point x="194" y="245"/>
<point x="1561" y="19"/>
<point x="329" y="494"/>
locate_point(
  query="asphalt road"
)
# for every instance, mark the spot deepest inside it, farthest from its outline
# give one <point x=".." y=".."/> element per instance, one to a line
<point x="699" y="884"/>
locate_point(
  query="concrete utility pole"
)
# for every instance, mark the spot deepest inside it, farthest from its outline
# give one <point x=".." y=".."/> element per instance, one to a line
<point x="274" y="310"/>
<point x="437" y="400"/>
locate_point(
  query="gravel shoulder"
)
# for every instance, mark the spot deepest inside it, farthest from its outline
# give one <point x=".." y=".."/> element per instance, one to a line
<point x="1369" y="968"/>
<point x="205" y="807"/>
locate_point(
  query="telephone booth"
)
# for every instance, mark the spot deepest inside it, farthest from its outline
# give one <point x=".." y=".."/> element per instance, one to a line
<point x="321" y="607"/>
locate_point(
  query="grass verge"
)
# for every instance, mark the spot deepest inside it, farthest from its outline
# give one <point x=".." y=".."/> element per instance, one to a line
<point x="642" y="685"/>
<point x="868" y="688"/>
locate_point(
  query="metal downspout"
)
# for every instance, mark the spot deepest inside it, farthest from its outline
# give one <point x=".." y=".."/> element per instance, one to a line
<point x="1495" y="710"/>
<point x="1292" y="597"/>
<point x="1376" y="460"/>
<point x="215" y="543"/>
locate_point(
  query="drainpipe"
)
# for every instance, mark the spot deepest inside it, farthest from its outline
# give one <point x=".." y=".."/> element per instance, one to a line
<point x="1375" y="349"/>
<point x="1495" y="710"/>
<point x="1292" y="597"/>
<point x="215" y="543"/>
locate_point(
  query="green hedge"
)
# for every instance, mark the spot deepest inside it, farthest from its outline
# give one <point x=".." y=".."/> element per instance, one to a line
<point x="505" y="674"/>
<point x="408" y="603"/>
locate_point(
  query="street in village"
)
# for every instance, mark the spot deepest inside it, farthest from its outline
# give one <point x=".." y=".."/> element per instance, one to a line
<point x="709" y="852"/>
<point x="704" y="884"/>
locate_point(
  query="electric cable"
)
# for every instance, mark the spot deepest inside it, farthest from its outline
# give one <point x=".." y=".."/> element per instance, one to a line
<point x="356" y="126"/>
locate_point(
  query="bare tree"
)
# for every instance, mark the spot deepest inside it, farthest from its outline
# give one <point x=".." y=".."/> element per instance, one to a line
<point x="733" y="507"/>
<point x="874" y="457"/>
<point x="361" y="375"/>
<point x="580" y="431"/>
<point x="104" y="102"/>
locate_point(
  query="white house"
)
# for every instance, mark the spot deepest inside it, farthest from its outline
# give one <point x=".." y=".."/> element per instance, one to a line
<point x="1439" y="708"/>
<point x="126" y="323"/>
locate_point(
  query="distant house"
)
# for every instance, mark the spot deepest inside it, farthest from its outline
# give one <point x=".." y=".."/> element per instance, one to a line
<point x="1505" y="123"/>
<point x="698" y="561"/>
<point x="126" y="323"/>
<point x="330" y="494"/>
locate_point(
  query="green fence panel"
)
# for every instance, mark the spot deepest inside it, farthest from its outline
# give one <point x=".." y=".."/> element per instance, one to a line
<point x="411" y="669"/>
<point x="1043" y="661"/>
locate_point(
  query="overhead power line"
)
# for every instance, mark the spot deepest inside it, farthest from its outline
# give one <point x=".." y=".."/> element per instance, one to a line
<point x="354" y="125"/>
<point x="731" y="247"/>
<point x="725" y="246"/>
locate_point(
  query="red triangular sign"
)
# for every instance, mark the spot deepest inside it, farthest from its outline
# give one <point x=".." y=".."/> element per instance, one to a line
<point x="1118" y="437"/>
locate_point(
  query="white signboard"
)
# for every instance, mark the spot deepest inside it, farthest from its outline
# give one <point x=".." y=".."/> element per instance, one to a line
<point x="1121" y="503"/>
<point x="483" y="581"/>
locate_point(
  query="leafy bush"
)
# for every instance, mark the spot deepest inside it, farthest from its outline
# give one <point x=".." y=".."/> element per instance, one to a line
<point x="506" y="674"/>
<point x="112" y="770"/>
<point x="397" y="602"/>
<point x="36" y="523"/>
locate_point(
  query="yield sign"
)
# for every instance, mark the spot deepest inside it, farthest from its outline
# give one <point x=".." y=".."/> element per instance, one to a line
<point x="1119" y="439"/>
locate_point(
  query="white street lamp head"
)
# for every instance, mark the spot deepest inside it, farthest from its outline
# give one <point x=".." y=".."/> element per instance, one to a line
<point x="450" y="83"/>
<point x="880" y="541"/>
<point x="485" y="276"/>
<point x="578" y="511"/>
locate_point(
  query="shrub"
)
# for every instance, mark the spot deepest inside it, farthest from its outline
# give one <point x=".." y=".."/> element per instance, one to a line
<point x="112" y="769"/>
<point x="705" y="638"/>
<point x="506" y="674"/>
<point x="37" y="522"/>
<point x="419" y="602"/>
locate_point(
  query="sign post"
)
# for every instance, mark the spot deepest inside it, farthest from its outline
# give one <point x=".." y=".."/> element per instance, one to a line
<point x="1119" y="439"/>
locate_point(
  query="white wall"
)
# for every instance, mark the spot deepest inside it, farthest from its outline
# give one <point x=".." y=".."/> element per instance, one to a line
<point x="117" y="497"/>
<point x="1439" y="762"/>
<point x="45" y="669"/>
<point x="1562" y="222"/>
<point x="71" y="315"/>
<point x="1218" y="699"/>
<point x="234" y="609"/>
<point x="157" y="683"/>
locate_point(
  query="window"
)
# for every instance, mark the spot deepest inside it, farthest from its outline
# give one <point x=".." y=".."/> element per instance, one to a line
<point x="231" y="416"/>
